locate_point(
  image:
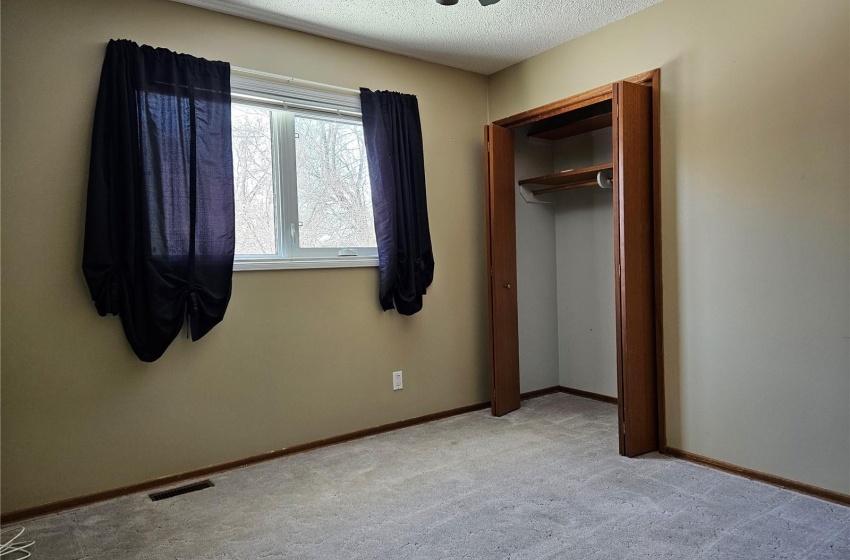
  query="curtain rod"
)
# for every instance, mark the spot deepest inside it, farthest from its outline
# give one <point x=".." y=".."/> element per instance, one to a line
<point x="289" y="80"/>
<point x="288" y="104"/>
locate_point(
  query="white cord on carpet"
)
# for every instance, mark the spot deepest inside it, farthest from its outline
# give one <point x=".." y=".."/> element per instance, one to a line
<point x="10" y="546"/>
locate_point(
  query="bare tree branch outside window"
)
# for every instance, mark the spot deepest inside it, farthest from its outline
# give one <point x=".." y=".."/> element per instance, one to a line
<point x="253" y="175"/>
<point x="334" y="195"/>
<point x="331" y="179"/>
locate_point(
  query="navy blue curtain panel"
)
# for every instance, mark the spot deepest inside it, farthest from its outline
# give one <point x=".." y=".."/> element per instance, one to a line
<point x="393" y="135"/>
<point x="159" y="235"/>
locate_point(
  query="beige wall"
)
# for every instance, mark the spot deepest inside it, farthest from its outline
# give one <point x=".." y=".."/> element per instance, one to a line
<point x="756" y="210"/>
<point x="755" y="146"/>
<point x="301" y="355"/>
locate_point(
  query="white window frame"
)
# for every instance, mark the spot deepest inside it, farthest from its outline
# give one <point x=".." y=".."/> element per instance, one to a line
<point x="312" y="100"/>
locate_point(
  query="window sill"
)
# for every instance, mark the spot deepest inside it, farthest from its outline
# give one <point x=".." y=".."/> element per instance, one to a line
<point x="292" y="264"/>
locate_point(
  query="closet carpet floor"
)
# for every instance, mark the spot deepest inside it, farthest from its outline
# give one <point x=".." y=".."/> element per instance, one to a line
<point x="543" y="482"/>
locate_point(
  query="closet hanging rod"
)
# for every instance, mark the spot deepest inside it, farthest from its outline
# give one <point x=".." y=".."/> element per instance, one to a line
<point x="604" y="179"/>
<point x="560" y="188"/>
<point x="568" y="177"/>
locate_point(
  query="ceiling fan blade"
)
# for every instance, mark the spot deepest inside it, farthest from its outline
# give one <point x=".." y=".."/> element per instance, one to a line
<point x="487" y="2"/>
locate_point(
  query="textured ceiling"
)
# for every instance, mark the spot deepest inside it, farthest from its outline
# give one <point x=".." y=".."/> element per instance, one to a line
<point x="467" y="35"/>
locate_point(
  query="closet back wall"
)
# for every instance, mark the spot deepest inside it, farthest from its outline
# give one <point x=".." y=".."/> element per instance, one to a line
<point x="301" y="355"/>
<point x="584" y="256"/>
<point x="755" y="195"/>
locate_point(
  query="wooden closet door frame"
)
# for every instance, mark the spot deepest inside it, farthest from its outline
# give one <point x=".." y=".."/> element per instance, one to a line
<point x="634" y="269"/>
<point x="652" y="79"/>
<point x="501" y="266"/>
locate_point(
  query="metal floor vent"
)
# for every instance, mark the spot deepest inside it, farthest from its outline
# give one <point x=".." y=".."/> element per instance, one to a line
<point x="180" y="490"/>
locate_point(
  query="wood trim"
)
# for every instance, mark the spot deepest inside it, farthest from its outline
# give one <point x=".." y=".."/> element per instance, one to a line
<point x="588" y="395"/>
<point x="801" y="487"/>
<point x="575" y="128"/>
<point x="491" y="335"/>
<point x="566" y="178"/>
<point x="655" y="81"/>
<point x="71" y="503"/>
<point x="595" y="95"/>
<point x="635" y="281"/>
<point x="501" y="240"/>
<point x="618" y="258"/>
<point x="540" y="393"/>
<point x="618" y="304"/>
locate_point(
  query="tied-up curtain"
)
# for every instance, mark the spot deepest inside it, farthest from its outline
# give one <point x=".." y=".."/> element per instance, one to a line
<point x="393" y="135"/>
<point x="159" y="236"/>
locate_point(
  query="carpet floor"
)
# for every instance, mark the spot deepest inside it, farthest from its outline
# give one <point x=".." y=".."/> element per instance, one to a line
<point x="543" y="482"/>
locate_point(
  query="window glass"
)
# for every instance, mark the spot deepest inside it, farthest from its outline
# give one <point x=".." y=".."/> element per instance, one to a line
<point x="301" y="178"/>
<point x="334" y="196"/>
<point x="253" y="180"/>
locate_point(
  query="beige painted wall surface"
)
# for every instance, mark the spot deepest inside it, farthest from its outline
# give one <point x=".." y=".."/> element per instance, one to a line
<point x="756" y="217"/>
<point x="301" y="355"/>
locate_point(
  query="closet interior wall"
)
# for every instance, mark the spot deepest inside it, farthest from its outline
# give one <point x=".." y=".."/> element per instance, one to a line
<point x="537" y="312"/>
<point x="584" y="257"/>
<point x="565" y="270"/>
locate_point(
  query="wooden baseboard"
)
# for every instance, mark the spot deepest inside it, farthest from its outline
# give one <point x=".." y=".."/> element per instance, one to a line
<point x="588" y="395"/>
<point x="801" y="487"/>
<point x="540" y="393"/>
<point x="71" y="503"/>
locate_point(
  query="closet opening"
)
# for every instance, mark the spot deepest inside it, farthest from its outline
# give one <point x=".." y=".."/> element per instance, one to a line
<point x="573" y="255"/>
<point x="564" y="222"/>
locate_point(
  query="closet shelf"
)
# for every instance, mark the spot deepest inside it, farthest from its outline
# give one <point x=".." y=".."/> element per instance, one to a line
<point x="597" y="122"/>
<point x="571" y="179"/>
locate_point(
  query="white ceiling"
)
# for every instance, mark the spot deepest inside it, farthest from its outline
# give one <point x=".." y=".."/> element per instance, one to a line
<point x="467" y="35"/>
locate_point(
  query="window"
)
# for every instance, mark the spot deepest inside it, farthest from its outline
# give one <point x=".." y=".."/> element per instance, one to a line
<point x="301" y="179"/>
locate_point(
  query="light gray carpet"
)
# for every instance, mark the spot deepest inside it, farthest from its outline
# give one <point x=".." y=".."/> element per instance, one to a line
<point x="543" y="482"/>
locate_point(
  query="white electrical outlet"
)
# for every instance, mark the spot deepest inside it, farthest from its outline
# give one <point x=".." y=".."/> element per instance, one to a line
<point x="397" y="384"/>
